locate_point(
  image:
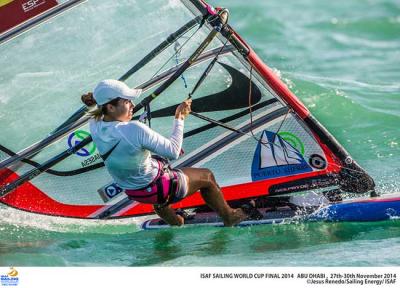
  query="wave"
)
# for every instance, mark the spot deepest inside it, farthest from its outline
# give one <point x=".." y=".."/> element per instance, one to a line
<point x="14" y="220"/>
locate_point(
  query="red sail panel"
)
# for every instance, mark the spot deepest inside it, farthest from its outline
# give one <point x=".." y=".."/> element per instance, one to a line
<point x="279" y="87"/>
<point x="30" y="198"/>
<point x="15" y="12"/>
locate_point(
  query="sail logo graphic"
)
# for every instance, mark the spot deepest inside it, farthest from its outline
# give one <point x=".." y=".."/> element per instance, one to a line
<point x="109" y="191"/>
<point x="10" y="279"/>
<point x="278" y="155"/>
<point x="293" y="140"/>
<point x="31" y="4"/>
<point x="76" y="137"/>
<point x="113" y="190"/>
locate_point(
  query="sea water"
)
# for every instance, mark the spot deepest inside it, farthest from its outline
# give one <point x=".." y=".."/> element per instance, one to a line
<point x="342" y="59"/>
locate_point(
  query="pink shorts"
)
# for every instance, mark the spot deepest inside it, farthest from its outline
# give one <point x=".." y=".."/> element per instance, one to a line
<point x="170" y="186"/>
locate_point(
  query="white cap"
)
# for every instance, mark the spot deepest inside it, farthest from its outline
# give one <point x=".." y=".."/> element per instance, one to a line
<point x="110" y="89"/>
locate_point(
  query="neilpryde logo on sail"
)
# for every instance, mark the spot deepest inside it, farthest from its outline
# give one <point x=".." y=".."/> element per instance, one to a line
<point x="10" y="279"/>
<point x="278" y="155"/>
<point x="88" y="151"/>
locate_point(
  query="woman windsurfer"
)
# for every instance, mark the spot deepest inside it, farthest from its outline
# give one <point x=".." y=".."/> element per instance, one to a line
<point x="126" y="147"/>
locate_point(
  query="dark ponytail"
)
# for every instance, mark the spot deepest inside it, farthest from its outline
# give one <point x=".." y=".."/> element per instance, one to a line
<point x="89" y="101"/>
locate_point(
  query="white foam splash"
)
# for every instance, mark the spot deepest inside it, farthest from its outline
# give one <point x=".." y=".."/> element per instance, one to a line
<point x="20" y="219"/>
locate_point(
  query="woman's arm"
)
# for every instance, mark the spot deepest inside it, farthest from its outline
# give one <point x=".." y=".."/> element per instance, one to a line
<point x="156" y="143"/>
<point x="160" y="145"/>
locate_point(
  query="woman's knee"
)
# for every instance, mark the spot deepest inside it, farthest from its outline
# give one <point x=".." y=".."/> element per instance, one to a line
<point x="200" y="179"/>
<point x="208" y="176"/>
<point x="208" y="181"/>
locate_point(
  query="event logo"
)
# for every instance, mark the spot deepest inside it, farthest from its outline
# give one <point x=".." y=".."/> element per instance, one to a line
<point x="10" y="279"/>
<point x="76" y="137"/>
<point x="13" y="272"/>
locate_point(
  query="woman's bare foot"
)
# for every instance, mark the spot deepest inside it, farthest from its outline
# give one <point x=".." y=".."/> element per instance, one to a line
<point x="247" y="211"/>
<point x="236" y="216"/>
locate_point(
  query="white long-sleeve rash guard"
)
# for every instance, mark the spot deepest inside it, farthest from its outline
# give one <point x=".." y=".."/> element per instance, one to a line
<point x="130" y="163"/>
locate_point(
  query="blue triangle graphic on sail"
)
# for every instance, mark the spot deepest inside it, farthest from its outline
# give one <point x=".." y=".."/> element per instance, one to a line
<point x="275" y="157"/>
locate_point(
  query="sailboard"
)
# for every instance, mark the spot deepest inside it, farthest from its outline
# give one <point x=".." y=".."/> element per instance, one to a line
<point x="250" y="130"/>
<point x="353" y="210"/>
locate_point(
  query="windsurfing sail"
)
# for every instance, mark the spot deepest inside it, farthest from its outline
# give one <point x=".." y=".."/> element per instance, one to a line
<point x="18" y="16"/>
<point x="249" y="129"/>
